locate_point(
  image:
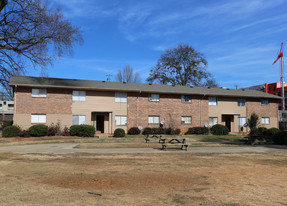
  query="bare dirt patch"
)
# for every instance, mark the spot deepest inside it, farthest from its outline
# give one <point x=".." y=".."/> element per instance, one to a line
<point x="143" y="179"/>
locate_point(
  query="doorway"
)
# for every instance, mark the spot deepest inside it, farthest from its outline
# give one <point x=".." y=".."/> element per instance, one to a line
<point x="228" y="119"/>
<point x="100" y="119"/>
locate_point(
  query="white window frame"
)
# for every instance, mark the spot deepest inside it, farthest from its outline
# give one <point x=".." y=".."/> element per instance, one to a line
<point x="121" y="120"/>
<point x="153" y="119"/>
<point x="81" y="119"/>
<point x="264" y="101"/>
<point x="121" y="97"/>
<point x="241" y="121"/>
<point x="265" y="120"/>
<point x="39" y="92"/>
<point x="79" y="96"/>
<point x="212" y="122"/>
<point x="186" y="119"/>
<point x="11" y="108"/>
<point x="183" y="98"/>
<point x="38" y="118"/>
<point x="241" y="102"/>
<point x="212" y="101"/>
<point x="1" y="106"/>
<point x="154" y="97"/>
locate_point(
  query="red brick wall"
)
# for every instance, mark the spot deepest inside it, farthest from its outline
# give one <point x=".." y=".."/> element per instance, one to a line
<point x="169" y="108"/>
<point x="58" y="101"/>
<point x="255" y="106"/>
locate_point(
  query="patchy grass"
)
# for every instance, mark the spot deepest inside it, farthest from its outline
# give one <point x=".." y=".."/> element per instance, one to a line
<point x="143" y="179"/>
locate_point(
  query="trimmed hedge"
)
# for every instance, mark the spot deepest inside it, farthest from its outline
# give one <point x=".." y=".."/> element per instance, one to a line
<point x="197" y="130"/>
<point x="38" y="130"/>
<point x="24" y="133"/>
<point x="6" y="124"/>
<point x="147" y="131"/>
<point x="11" y="131"/>
<point x="134" y="131"/>
<point x="280" y="138"/>
<point x="219" y="129"/>
<point x="82" y="130"/>
<point x="119" y="132"/>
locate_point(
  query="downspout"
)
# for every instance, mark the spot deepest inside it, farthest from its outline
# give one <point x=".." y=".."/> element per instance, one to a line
<point x="15" y="107"/>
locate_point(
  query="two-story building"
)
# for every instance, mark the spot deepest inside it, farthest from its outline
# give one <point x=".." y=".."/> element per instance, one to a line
<point x="6" y="110"/>
<point x="111" y="105"/>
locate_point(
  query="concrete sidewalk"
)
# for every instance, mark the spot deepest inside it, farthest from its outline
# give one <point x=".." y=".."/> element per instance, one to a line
<point x="67" y="148"/>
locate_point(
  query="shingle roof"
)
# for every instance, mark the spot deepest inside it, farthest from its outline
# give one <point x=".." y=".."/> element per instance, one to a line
<point x="133" y="87"/>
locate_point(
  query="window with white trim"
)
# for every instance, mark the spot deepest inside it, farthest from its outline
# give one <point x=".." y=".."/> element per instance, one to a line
<point x="212" y="101"/>
<point x="185" y="98"/>
<point x="265" y="120"/>
<point x="38" y="118"/>
<point x="153" y="119"/>
<point x="186" y="120"/>
<point x="10" y="106"/>
<point x="213" y="121"/>
<point x="241" y="121"/>
<point x="264" y="101"/>
<point x="79" y="119"/>
<point x="241" y="102"/>
<point x="39" y="92"/>
<point x="121" y="97"/>
<point x="121" y="120"/>
<point x="154" y="97"/>
<point x="79" y="96"/>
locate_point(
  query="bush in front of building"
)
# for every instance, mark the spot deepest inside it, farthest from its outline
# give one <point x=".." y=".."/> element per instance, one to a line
<point x="6" y="124"/>
<point x="119" y="132"/>
<point x="273" y="131"/>
<point x="39" y="130"/>
<point x="147" y="131"/>
<point x="82" y="130"/>
<point x="280" y="138"/>
<point x="11" y="131"/>
<point x="197" y="130"/>
<point x="219" y="129"/>
<point x="24" y="133"/>
<point x="134" y="131"/>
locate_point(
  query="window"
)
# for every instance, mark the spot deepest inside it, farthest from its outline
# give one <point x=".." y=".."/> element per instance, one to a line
<point x="186" y="120"/>
<point x="10" y="106"/>
<point x="120" y="97"/>
<point x="212" y="101"/>
<point x="154" y="97"/>
<point x="121" y="120"/>
<point x="264" y="101"/>
<point x="38" y="118"/>
<point x="185" y="98"/>
<point x="39" y="92"/>
<point x="213" y="121"/>
<point x="79" y="96"/>
<point x="1" y="106"/>
<point x="79" y="119"/>
<point x="241" y="121"/>
<point x="265" y="120"/>
<point x="153" y="119"/>
<point x="241" y="102"/>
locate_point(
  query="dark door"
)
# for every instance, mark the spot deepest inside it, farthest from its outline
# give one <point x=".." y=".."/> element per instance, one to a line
<point x="100" y="123"/>
<point x="228" y="123"/>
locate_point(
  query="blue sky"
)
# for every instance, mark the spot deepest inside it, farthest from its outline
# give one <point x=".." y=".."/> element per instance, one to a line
<point x="240" y="39"/>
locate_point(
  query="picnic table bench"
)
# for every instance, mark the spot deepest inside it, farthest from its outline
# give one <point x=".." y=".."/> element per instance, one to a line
<point x="174" y="141"/>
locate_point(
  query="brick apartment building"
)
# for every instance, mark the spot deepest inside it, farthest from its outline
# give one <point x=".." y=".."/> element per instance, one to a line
<point x="111" y="105"/>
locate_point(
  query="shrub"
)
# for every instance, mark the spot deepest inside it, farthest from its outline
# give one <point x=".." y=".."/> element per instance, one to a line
<point x="24" y="133"/>
<point x="176" y="131"/>
<point x="119" y="133"/>
<point x="134" y="131"/>
<point x="6" y="124"/>
<point x="54" y="129"/>
<point x="11" y="131"/>
<point x="219" y="129"/>
<point x="197" y="130"/>
<point x="66" y="131"/>
<point x="280" y="138"/>
<point x="253" y="121"/>
<point x="82" y="130"/>
<point x="51" y="131"/>
<point x="273" y="131"/>
<point x="147" y="131"/>
<point x="38" y="130"/>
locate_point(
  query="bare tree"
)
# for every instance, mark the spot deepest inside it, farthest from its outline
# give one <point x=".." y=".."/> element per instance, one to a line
<point x="182" y="66"/>
<point x="32" y="34"/>
<point x="127" y="74"/>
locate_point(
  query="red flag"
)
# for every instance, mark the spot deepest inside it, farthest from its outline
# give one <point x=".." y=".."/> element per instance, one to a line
<point x="280" y="54"/>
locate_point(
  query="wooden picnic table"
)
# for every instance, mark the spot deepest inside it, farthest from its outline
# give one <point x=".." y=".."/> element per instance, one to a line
<point x="153" y="136"/>
<point x="173" y="141"/>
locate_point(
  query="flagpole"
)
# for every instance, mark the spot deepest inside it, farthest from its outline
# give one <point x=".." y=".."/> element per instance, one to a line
<point x="282" y="82"/>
